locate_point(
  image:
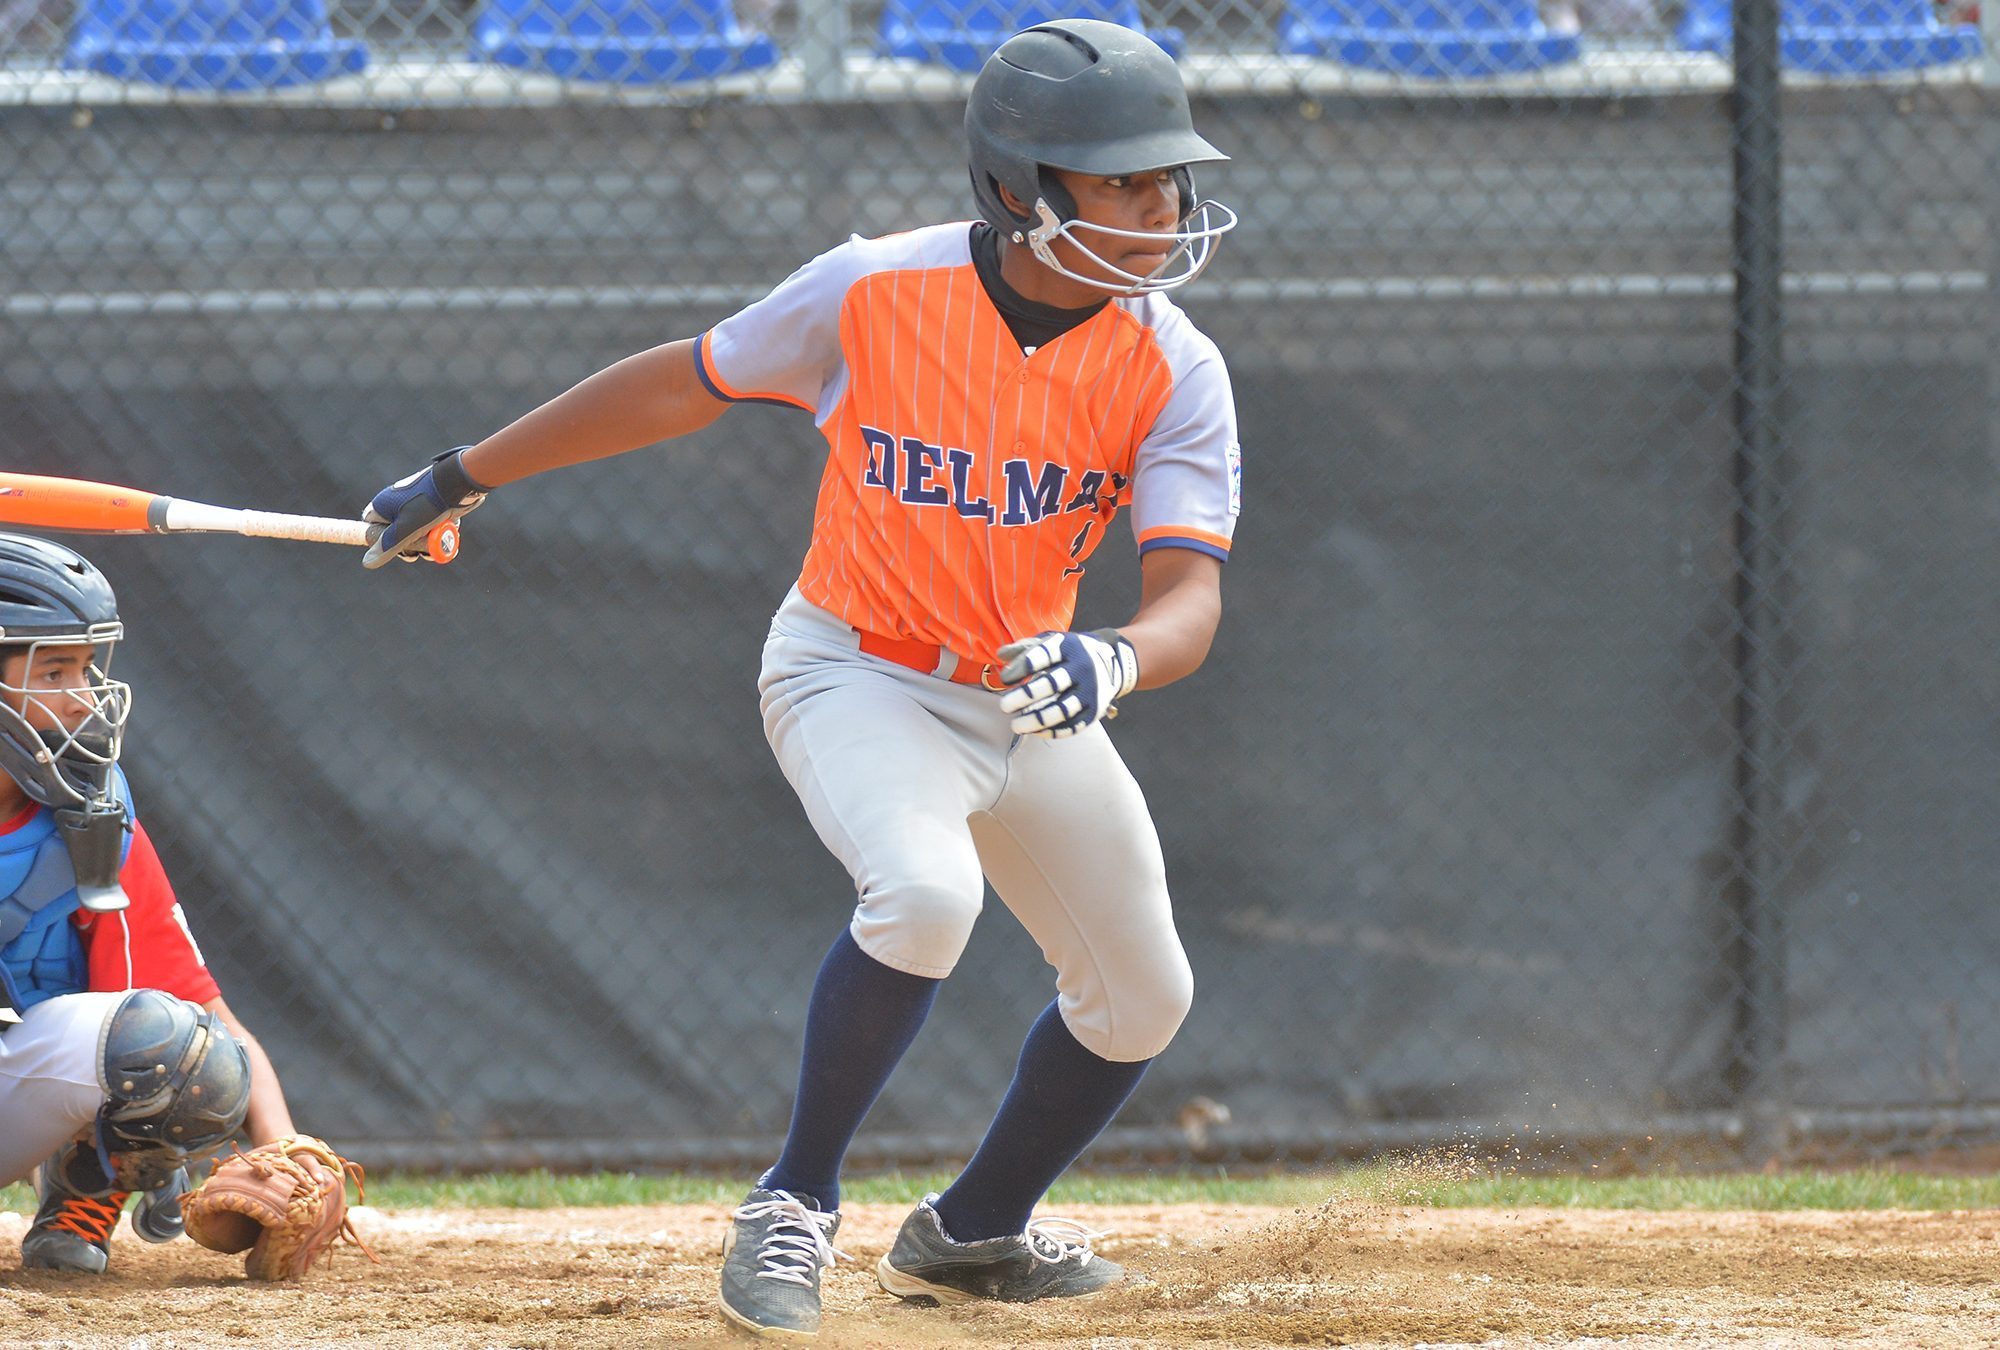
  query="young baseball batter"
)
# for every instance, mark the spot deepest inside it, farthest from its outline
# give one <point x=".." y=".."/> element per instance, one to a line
<point x="992" y="393"/>
<point x="119" y="1060"/>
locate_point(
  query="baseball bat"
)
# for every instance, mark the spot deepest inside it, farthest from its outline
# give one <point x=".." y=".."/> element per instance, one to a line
<point x="79" y="506"/>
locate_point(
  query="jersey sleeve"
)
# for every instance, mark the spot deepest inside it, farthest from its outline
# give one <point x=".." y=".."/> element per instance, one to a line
<point x="1187" y="478"/>
<point x="147" y="945"/>
<point x="785" y="348"/>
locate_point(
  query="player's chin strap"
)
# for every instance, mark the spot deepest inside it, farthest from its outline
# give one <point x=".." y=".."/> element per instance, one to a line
<point x="1194" y="247"/>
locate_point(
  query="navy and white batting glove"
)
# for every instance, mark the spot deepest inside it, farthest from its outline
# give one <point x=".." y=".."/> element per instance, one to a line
<point x="406" y="510"/>
<point x="1061" y="683"/>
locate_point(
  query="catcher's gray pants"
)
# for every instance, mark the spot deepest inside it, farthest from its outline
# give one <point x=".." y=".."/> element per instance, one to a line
<point x="917" y="785"/>
<point x="50" y="1084"/>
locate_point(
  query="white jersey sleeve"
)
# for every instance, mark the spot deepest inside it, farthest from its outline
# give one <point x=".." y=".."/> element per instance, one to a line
<point x="784" y="348"/>
<point x="1187" y="479"/>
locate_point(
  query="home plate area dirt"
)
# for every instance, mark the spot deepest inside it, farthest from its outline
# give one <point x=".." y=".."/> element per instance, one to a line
<point x="1347" y="1273"/>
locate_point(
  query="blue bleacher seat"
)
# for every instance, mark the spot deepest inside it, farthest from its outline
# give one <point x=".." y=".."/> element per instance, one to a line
<point x="620" y="41"/>
<point x="1705" y="26"/>
<point x="211" y="44"/>
<point x="1841" y="37"/>
<point x="963" y="33"/>
<point x="1433" y="39"/>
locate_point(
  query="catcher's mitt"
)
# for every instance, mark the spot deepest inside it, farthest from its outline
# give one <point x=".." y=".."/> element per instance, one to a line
<point x="284" y="1202"/>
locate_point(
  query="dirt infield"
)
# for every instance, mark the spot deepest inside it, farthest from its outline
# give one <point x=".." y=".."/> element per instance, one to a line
<point x="1345" y="1274"/>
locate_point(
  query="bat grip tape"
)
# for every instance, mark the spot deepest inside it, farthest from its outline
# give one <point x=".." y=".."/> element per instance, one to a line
<point x="312" y="529"/>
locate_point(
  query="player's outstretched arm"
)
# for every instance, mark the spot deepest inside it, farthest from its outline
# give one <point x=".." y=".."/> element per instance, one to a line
<point x="1061" y="683"/>
<point x="653" y="396"/>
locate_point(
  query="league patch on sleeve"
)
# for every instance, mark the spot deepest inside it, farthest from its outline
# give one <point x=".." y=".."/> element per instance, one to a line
<point x="1234" y="456"/>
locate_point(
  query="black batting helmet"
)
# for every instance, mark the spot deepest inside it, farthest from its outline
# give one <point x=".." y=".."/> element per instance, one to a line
<point x="1081" y="95"/>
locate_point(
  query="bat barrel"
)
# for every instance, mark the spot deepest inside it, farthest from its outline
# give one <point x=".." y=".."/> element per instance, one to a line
<point x="43" y="503"/>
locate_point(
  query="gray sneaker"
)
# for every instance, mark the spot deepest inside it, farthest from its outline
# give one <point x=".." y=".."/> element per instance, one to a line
<point x="71" y="1233"/>
<point x="1052" y="1259"/>
<point x="771" y="1264"/>
<point x="78" y="1210"/>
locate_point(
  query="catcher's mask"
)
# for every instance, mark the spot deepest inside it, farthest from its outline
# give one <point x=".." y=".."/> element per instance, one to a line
<point x="62" y="716"/>
<point x="1095" y="98"/>
<point x="177" y="1086"/>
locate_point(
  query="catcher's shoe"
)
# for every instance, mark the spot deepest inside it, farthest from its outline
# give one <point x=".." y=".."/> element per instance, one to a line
<point x="771" y="1264"/>
<point x="72" y="1232"/>
<point x="157" y="1216"/>
<point x="1052" y="1259"/>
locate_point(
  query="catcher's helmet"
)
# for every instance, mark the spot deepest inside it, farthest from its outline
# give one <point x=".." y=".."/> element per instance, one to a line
<point x="1096" y="98"/>
<point x="51" y="596"/>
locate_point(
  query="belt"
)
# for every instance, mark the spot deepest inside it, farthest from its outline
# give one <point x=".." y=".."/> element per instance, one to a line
<point x="930" y="658"/>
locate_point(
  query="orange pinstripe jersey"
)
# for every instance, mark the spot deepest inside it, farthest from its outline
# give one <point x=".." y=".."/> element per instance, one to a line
<point x="968" y="481"/>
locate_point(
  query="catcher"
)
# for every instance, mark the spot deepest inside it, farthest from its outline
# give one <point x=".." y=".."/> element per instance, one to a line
<point x="120" y="1063"/>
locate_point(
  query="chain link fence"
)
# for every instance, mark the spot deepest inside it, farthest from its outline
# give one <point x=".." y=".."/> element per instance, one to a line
<point x="1599" y="749"/>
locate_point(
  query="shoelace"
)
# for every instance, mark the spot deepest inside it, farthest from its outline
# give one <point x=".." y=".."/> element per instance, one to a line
<point x="797" y="1242"/>
<point x="1054" y="1241"/>
<point x="90" y="1219"/>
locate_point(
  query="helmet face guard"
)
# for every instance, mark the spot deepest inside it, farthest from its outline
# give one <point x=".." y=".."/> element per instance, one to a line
<point x="1194" y="246"/>
<point x="60" y="742"/>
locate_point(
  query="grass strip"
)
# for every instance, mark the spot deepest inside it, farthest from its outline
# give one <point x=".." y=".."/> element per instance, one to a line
<point x="1420" y="1182"/>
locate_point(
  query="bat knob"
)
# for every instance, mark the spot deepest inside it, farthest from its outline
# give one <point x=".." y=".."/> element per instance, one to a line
<point x="443" y="541"/>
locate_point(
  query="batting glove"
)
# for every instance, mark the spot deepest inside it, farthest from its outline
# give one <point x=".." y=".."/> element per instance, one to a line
<point x="405" y="511"/>
<point x="1061" y="683"/>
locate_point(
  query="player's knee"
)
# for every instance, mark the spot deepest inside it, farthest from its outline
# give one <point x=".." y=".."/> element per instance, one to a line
<point x="920" y="925"/>
<point x="177" y="1085"/>
<point x="1145" y="1014"/>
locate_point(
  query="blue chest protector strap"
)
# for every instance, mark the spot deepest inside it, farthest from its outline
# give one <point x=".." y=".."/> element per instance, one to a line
<point x="41" y="952"/>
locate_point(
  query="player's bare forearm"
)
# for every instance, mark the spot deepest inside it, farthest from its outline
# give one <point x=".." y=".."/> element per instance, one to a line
<point x="653" y="396"/>
<point x="268" y="1117"/>
<point x="1180" y="606"/>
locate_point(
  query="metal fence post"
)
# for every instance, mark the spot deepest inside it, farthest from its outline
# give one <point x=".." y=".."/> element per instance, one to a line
<point x="822" y="47"/>
<point x="1989" y="81"/>
<point x="1989" y="45"/>
<point x="1751" y="889"/>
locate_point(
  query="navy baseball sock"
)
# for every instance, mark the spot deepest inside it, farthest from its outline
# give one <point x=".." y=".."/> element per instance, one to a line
<point x="1061" y="1098"/>
<point x="862" y="1017"/>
